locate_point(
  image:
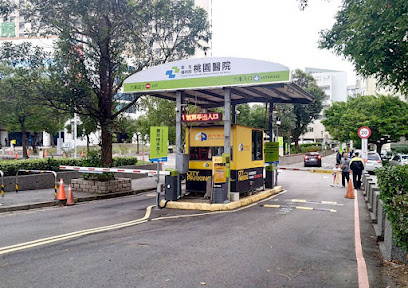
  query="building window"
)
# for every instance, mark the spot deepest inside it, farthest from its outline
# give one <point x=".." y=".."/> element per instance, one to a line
<point x="309" y="129"/>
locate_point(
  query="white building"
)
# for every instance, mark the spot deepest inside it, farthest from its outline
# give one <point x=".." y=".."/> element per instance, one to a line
<point x="334" y="84"/>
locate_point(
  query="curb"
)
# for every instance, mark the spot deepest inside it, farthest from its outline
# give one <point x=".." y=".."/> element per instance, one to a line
<point x="221" y="207"/>
<point x="4" y="209"/>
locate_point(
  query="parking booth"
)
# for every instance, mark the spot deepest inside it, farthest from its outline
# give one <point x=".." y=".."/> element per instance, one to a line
<point x="209" y="83"/>
<point x="203" y="144"/>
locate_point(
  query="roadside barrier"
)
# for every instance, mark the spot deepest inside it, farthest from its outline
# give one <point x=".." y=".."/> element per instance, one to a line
<point x="2" y="187"/>
<point x="39" y="172"/>
<point x="325" y="171"/>
<point x="113" y="170"/>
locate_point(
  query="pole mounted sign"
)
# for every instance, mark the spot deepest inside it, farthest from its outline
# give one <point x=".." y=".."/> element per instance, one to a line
<point x="364" y="133"/>
<point x="158" y="144"/>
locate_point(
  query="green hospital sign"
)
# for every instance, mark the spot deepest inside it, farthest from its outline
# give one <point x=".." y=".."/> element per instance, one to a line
<point x="8" y="29"/>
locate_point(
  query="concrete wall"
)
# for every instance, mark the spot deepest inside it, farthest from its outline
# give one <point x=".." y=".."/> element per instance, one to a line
<point x="382" y="226"/>
<point x="46" y="181"/>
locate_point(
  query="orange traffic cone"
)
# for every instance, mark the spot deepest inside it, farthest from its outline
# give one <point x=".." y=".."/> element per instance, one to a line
<point x="64" y="155"/>
<point x="16" y="156"/>
<point x="10" y="152"/>
<point x="61" y="191"/>
<point x="28" y="152"/>
<point x="82" y="153"/>
<point x="350" y="190"/>
<point x="45" y="153"/>
<point x="70" y="199"/>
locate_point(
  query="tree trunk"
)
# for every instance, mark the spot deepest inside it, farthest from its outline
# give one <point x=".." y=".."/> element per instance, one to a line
<point x="87" y="144"/>
<point x="297" y="145"/>
<point x="24" y="139"/>
<point x="106" y="146"/>
<point x="52" y="141"/>
<point x="137" y="145"/>
<point x="379" y="146"/>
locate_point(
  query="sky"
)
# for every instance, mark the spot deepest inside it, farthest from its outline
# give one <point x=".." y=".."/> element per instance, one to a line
<point x="276" y="31"/>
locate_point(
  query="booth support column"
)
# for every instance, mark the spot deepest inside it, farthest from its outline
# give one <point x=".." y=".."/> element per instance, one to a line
<point x="270" y="169"/>
<point x="227" y="134"/>
<point x="234" y="114"/>
<point x="179" y="99"/>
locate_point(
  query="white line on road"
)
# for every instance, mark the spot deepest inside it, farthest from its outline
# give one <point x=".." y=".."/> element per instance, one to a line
<point x="53" y="239"/>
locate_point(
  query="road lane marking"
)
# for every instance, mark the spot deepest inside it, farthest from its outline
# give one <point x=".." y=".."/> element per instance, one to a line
<point x="48" y="240"/>
<point x="76" y="234"/>
<point x="316" y="202"/>
<point x="361" y="264"/>
<point x="299" y="207"/>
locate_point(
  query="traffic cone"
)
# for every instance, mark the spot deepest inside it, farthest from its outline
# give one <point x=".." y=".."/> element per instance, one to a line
<point x="61" y="191"/>
<point x="70" y="198"/>
<point x="28" y="152"/>
<point x="82" y="153"/>
<point x="64" y="155"/>
<point x="16" y="156"/>
<point x="350" y="190"/>
<point x="45" y="153"/>
<point x="10" y="152"/>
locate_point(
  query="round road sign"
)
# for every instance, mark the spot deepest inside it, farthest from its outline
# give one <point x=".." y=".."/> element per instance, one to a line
<point x="364" y="132"/>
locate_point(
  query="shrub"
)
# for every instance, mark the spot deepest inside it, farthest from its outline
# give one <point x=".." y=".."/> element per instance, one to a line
<point x="10" y="167"/>
<point x="393" y="184"/>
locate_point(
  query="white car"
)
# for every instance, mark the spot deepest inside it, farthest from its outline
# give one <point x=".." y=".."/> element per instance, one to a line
<point x="399" y="159"/>
<point x="373" y="162"/>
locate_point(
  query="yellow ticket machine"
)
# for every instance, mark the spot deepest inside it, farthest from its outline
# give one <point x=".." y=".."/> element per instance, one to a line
<point x="246" y="159"/>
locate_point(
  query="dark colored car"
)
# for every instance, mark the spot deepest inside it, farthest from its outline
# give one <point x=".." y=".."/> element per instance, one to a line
<point x="313" y="159"/>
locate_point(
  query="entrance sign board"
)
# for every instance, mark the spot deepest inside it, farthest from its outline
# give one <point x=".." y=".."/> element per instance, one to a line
<point x="205" y="73"/>
<point x="272" y="152"/>
<point x="158" y="144"/>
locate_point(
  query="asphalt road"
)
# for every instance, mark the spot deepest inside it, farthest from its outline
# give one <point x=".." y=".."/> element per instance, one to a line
<point x="253" y="247"/>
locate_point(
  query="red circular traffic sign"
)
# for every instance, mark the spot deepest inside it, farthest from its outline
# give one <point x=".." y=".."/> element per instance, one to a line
<point x="147" y="85"/>
<point x="364" y="132"/>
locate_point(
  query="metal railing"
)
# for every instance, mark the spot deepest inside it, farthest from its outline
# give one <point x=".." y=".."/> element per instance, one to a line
<point x="39" y="172"/>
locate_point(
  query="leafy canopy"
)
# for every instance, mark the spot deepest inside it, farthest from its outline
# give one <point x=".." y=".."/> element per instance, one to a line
<point x="386" y="116"/>
<point x="373" y="35"/>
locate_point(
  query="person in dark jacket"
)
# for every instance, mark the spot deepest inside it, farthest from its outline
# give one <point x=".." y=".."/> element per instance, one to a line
<point x="357" y="167"/>
<point x="345" y="169"/>
<point x="338" y="157"/>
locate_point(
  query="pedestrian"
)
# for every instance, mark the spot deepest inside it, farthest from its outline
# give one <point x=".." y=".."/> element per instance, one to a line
<point x="345" y="169"/>
<point x="338" y="157"/>
<point x="6" y="140"/>
<point x="357" y="167"/>
<point x="336" y="175"/>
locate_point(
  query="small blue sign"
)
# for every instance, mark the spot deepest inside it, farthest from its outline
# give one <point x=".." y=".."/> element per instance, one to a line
<point x="163" y="159"/>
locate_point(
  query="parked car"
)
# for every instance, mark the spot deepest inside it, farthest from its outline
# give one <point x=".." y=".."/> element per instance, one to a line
<point x="373" y="161"/>
<point x="313" y="159"/>
<point x="399" y="159"/>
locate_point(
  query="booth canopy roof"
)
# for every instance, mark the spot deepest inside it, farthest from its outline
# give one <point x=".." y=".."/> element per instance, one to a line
<point x="203" y="82"/>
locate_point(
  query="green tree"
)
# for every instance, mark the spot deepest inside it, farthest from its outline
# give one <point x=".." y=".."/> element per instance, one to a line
<point x="21" y="68"/>
<point x="386" y="116"/>
<point x="101" y="42"/>
<point x="6" y="7"/>
<point x="373" y="35"/>
<point x="306" y="114"/>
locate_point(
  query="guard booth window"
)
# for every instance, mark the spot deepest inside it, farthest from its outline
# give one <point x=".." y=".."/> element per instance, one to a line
<point x="256" y="145"/>
<point x="206" y="153"/>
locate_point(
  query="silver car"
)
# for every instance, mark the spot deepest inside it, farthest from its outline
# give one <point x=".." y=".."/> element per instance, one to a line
<point x="399" y="159"/>
<point x="373" y="162"/>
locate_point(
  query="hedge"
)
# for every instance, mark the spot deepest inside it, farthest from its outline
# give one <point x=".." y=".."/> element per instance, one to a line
<point x="10" y="167"/>
<point x="393" y="184"/>
<point x="307" y="147"/>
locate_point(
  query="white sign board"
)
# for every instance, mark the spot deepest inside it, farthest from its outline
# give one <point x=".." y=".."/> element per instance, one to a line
<point x="210" y="72"/>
